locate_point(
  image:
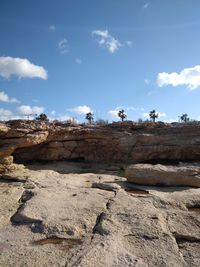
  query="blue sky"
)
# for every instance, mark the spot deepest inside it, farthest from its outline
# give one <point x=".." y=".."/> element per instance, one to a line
<point x="68" y="57"/>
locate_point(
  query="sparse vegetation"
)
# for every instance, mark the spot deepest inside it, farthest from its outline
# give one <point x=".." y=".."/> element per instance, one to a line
<point x="42" y="117"/>
<point x="122" y="114"/>
<point x="153" y="115"/>
<point x="101" y="122"/>
<point x="184" y="118"/>
<point x="89" y="117"/>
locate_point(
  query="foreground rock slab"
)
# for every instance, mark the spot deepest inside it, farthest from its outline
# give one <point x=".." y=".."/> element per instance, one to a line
<point x="52" y="218"/>
<point x="148" y="174"/>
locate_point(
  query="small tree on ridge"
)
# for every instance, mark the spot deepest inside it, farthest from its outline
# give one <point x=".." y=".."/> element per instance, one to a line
<point x="184" y="118"/>
<point x="89" y="116"/>
<point x="42" y="117"/>
<point x="122" y="114"/>
<point x="153" y="115"/>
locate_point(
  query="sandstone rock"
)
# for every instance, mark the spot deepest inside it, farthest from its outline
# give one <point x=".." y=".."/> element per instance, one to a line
<point x="61" y="220"/>
<point x="7" y="165"/>
<point x="9" y="199"/>
<point x="106" y="186"/>
<point x="163" y="175"/>
<point x="29" y="141"/>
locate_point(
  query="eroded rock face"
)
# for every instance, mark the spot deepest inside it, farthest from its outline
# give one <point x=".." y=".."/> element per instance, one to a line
<point x="34" y="141"/>
<point x="148" y="174"/>
<point x="96" y="219"/>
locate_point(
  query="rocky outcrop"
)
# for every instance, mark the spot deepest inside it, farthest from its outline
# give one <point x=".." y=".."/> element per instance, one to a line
<point x="148" y="174"/>
<point x="95" y="219"/>
<point x="124" y="143"/>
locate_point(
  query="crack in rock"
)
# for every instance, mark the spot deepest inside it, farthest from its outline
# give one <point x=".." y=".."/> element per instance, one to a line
<point x="185" y="238"/>
<point x="18" y="218"/>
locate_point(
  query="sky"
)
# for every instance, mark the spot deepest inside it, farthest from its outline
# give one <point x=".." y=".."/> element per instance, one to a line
<point x="65" y="58"/>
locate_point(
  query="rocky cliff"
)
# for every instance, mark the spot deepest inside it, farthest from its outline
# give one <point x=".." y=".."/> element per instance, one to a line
<point x="125" y="143"/>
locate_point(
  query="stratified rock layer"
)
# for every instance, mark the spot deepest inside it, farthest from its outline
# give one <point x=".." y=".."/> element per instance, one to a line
<point x="122" y="142"/>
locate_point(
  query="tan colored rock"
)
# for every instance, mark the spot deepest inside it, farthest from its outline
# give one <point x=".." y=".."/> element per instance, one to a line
<point x="163" y="175"/>
<point x="56" y="219"/>
<point x="7" y="165"/>
<point x="7" y="160"/>
<point x="123" y="143"/>
<point x="9" y="199"/>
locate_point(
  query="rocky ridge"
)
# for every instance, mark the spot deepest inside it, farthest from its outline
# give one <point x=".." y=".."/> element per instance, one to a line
<point x="124" y="143"/>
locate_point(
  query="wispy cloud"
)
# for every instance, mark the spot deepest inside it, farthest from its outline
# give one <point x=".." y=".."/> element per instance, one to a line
<point x="20" y="67"/>
<point x="63" y="46"/>
<point x="5" y="98"/>
<point x="190" y="77"/>
<point x="129" y="43"/>
<point x="78" y="61"/>
<point x="106" y="40"/>
<point x="52" y="28"/>
<point x="147" y="81"/>
<point x="81" y="110"/>
<point x="146" y="5"/>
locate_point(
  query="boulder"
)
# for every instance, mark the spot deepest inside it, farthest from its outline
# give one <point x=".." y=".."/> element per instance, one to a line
<point x="148" y="174"/>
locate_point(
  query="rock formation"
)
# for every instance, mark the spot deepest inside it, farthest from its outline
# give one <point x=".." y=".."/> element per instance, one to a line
<point x="56" y="212"/>
<point x="148" y="174"/>
<point x="33" y="141"/>
<point x="51" y="218"/>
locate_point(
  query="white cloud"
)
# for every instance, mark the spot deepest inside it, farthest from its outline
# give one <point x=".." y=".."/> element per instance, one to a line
<point x="81" y="110"/>
<point x="113" y="113"/>
<point x="65" y="118"/>
<point x="129" y="43"/>
<point x="146" y="5"/>
<point x="5" y="98"/>
<point x="78" y="61"/>
<point x="160" y="114"/>
<point x="20" y="67"/>
<point x="63" y="46"/>
<point x="28" y="110"/>
<point x="170" y="120"/>
<point x="188" y="76"/>
<point x="107" y="40"/>
<point x="52" y="28"/>
<point x="133" y="108"/>
<point x="5" y="114"/>
<point x="53" y="112"/>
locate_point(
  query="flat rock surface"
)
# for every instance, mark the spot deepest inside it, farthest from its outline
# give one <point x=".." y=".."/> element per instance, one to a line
<point x="80" y="215"/>
<point x="158" y="174"/>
